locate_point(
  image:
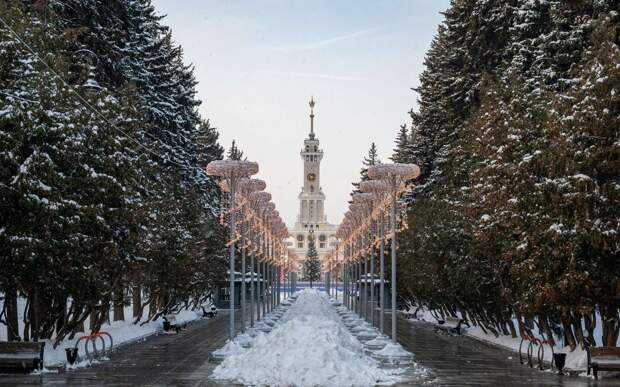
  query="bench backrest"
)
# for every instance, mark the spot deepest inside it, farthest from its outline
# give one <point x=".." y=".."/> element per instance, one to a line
<point x="21" y="347"/>
<point x="604" y="351"/>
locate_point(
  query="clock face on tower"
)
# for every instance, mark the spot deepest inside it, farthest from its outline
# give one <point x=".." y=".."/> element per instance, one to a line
<point x="311" y="177"/>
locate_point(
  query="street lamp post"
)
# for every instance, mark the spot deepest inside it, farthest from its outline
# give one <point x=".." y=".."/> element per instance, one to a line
<point x="379" y="189"/>
<point x="257" y="201"/>
<point x="246" y="187"/>
<point x="395" y="176"/>
<point x="232" y="171"/>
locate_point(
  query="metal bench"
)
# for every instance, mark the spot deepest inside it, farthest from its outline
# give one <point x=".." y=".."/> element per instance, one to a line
<point x="451" y="325"/>
<point x="212" y="313"/>
<point x="24" y="355"/>
<point x="170" y="323"/>
<point x="603" y="359"/>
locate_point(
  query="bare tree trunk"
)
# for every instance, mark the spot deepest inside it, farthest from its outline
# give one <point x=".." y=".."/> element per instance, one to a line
<point x="94" y="316"/>
<point x="569" y="337"/>
<point x="590" y="322"/>
<point x="152" y="304"/>
<point x="576" y="322"/>
<point x="611" y="326"/>
<point x="34" y="316"/>
<point x="546" y="328"/>
<point x="136" y="300"/>
<point x="79" y="327"/>
<point x="119" y="305"/>
<point x="11" y="315"/>
<point x="62" y="320"/>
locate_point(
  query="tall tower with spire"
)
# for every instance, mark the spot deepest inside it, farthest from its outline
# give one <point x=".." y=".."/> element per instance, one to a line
<point x="311" y="219"/>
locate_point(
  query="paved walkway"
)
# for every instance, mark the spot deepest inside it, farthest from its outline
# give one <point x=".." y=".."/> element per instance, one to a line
<point x="182" y="360"/>
<point x="162" y="360"/>
<point x="461" y="361"/>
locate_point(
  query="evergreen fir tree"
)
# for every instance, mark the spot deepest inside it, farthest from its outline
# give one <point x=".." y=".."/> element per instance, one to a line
<point x="234" y="153"/>
<point x="372" y="158"/>
<point x="311" y="268"/>
<point x="402" y="145"/>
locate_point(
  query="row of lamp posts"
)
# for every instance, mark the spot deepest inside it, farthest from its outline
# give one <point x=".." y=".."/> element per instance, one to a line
<point x="256" y="230"/>
<point x="363" y="232"/>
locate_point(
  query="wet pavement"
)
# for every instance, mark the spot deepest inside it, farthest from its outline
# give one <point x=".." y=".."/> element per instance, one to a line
<point x="463" y="361"/>
<point x="183" y="360"/>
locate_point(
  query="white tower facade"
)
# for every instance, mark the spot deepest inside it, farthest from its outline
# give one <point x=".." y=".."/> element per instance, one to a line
<point x="311" y="218"/>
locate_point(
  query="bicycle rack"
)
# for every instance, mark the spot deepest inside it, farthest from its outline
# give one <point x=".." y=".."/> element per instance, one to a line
<point x="540" y="354"/>
<point x="92" y="339"/>
<point x="525" y="338"/>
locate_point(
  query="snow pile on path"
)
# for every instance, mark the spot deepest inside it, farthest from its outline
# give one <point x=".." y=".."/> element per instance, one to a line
<point x="310" y="346"/>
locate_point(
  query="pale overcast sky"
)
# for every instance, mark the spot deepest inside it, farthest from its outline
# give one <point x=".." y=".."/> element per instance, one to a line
<point x="258" y="63"/>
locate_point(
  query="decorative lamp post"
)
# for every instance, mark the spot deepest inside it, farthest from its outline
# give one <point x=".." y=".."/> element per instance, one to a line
<point x="367" y="201"/>
<point x="232" y="171"/>
<point x="395" y="176"/>
<point x="245" y="187"/>
<point x="357" y="216"/>
<point x="379" y="189"/>
<point x="257" y="202"/>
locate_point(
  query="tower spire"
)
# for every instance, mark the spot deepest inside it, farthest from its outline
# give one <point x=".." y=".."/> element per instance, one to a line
<point x="311" y="118"/>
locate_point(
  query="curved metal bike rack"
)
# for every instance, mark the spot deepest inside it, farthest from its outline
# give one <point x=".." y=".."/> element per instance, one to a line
<point x="92" y="339"/>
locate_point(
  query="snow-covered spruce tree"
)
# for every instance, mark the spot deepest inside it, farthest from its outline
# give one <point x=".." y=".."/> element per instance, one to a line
<point x="399" y="154"/>
<point x="71" y="176"/>
<point x="532" y="47"/>
<point x="371" y="158"/>
<point x="234" y="153"/>
<point x="311" y="269"/>
<point x="144" y="57"/>
<point x="147" y="92"/>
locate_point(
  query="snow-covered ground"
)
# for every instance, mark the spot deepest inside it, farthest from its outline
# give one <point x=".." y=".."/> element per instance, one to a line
<point x="122" y="332"/>
<point x="575" y="360"/>
<point x="309" y="346"/>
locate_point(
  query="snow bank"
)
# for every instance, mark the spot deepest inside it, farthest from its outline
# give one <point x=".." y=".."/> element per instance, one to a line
<point x="122" y="332"/>
<point x="309" y="346"/>
<point x="575" y="360"/>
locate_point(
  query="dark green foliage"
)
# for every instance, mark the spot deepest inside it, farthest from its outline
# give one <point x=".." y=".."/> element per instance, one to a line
<point x="234" y="153"/>
<point x="95" y="202"/>
<point x="515" y="213"/>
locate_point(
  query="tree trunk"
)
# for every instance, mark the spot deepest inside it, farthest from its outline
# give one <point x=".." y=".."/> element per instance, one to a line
<point x="610" y="331"/>
<point x="590" y="322"/>
<point x="544" y="326"/>
<point x="119" y="305"/>
<point x="152" y="304"/>
<point x="136" y="300"/>
<point x="62" y="320"/>
<point x="576" y="322"/>
<point x="94" y="316"/>
<point x="512" y="329"/>
<point x="34" y="316"/>
<point x="11" y="315"/>
<point x="569" y="337"/>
